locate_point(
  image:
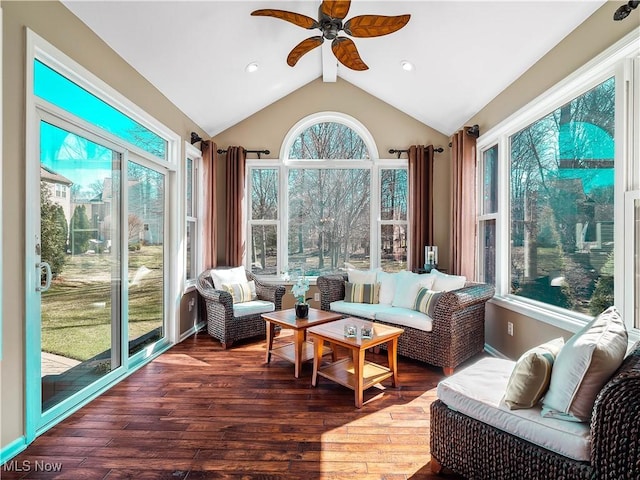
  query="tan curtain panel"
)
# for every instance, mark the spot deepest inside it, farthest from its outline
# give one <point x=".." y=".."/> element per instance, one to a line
<point x="420" y="202"/>
<point x="462" y="258"/>
<point x="235" y="243"/>
<point x="210" y="215"/>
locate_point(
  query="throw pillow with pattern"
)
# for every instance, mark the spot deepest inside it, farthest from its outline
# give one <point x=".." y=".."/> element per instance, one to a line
<point x="426" y="301"/>
<point x="361" y="292"/>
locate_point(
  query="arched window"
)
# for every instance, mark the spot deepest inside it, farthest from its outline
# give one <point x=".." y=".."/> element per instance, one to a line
<point x="333" y="189"/>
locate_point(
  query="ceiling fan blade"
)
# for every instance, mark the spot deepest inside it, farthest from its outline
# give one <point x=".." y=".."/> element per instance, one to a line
<point x="295" y="18"/>
<point x="303" y="47"/>
<point x="335" y="8"/>
<point x="374" y="25"/>
<point x="347" y="54"/>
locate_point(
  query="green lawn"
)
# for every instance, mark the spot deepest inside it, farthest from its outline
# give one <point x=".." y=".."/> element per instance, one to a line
<point x="76" y="311"/>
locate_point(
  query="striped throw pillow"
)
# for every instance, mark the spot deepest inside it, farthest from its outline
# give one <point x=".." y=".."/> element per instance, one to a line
<point x="426" y="301"/>
<point x="240" y="292"/>
<point x="361" y="292"/>
<point x="531" y="375"/>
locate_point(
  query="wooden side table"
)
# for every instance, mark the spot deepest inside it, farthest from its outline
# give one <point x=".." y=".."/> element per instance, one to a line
<point x="299" y="350"/>
<point x="355" y="372"/>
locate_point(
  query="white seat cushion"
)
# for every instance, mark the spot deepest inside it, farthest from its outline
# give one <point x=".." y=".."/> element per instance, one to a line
<point x="364" y="310"/>
<point x="477" y="392"/>
<point x="405" y="317"/>
<point x="252" y="308"/>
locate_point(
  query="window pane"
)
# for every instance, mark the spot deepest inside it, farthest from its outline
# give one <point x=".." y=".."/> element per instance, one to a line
<point x="264" y="248"/>
<point x="191" y="249"/>
<point x="490" y="181"/>
<point x="189" y="181"/>
<point x="264" y="194"/>
<point x="562" y="203"/>
<point x="393" y="248"/>
<point x="329" y="218"/>
<point x="61" y="91"/>
<point x="328" y="140"/>
<point x="636" y="262"/>
<point x="393" y="194"/>
<point x="488" y="251"/>
<point x="146" y="256"/>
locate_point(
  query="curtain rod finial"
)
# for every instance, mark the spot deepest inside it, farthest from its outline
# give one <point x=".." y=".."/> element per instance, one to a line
<point x="195" y="138"/>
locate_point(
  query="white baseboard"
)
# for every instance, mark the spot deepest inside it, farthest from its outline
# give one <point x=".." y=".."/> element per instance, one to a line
<point x="191" y="331"/>
<point x="493" y="352"/>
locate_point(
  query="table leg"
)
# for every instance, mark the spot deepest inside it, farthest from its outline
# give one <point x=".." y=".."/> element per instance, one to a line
<point x="270" y="334"/>
<point x="392" y="357"/>
<point x="358" y="367"/>
<point x="317" y="359"/>
<point x="298" y="343"/>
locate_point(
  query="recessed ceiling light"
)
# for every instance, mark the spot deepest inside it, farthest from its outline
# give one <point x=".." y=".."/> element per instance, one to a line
<point x="406" y="65"/>
<point x="252" y="67"/>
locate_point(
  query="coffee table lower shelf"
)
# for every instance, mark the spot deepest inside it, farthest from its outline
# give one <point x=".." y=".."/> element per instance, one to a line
<point x="287" y="351"/>
<point x="343" y="372"/>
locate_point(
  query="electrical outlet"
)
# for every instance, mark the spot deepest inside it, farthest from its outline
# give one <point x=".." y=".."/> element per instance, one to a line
<point x="192" y="303"/>
<point x="316" y="296"/>
<point x="510" y="328"/>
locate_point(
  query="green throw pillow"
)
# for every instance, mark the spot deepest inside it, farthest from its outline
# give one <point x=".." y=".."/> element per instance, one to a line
<point x="361" y="292"/>
<point x="426" y="301"/>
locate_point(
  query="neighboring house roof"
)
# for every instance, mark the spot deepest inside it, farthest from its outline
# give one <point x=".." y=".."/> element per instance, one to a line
<point x="50" y="176"/>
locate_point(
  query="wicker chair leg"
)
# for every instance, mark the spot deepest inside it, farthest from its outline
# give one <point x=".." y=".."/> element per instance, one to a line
<point x="448" y="371"/>
<point x="436" y="467"/>
<point x="226" y="345"/>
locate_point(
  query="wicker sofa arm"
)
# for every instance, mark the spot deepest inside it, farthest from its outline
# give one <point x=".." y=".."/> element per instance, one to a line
<point x="204" y="285"/>
<point x="331" y="289"/>
<point x="270" y="293"/>
<point x="450" y="302"/>
<point x="615" y="430"/>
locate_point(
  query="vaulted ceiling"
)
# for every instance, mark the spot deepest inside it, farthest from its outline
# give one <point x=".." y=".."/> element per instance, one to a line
<point x="463" y="53"/>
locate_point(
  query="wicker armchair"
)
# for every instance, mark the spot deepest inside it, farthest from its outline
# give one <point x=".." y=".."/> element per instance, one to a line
<point x="476" y="450"/>
<point x="458" y="324"/>
<point x="221" y="321"/>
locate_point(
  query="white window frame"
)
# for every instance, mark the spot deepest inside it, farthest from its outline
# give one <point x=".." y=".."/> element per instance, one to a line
<point x="620" y="60"/>
<point x="197" y="199"/>
<point x="37" y="48"/>
<point x="284" y="164"/>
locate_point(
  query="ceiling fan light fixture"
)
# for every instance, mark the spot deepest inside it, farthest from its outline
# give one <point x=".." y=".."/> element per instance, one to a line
<point x="252" y="67"/>
<point x="407" y="66"/>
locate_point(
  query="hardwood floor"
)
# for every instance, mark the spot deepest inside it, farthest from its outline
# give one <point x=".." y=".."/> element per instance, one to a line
<point x="200" y="412"/>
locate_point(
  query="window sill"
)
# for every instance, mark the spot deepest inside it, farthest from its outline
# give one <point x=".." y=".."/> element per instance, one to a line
<point x="551" y="317"/>
<point x="557" y="319"/>
<point x="271" y="280"/>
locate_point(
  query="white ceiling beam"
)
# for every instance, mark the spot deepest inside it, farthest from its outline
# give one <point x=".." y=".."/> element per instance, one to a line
<point x="329" y="63"/>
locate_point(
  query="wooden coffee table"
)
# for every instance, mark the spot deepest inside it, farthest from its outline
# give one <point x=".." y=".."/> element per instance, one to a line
<point x="355" y="373"/>
<point x="299" y="350"/>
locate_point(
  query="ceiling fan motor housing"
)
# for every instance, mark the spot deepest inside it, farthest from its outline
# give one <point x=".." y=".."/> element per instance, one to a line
<point x="328" y="25"/>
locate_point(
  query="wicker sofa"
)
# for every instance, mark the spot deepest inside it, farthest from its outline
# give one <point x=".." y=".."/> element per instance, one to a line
<point x="458" y="323"/>
<point x="229" y="324"/>
<point x="477" y="450"/>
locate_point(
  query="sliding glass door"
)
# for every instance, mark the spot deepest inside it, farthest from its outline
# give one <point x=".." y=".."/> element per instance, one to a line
<point x="96" y="265"/>
<point x="78" y="262"/>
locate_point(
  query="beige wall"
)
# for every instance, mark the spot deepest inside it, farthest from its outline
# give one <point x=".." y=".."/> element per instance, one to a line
<point x="594" y="36"/>
<point x="389" y="127"/>
<point x="52" y="21"/>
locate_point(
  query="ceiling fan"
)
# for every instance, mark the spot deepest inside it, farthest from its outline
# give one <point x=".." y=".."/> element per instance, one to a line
<point x="331" y="14"/>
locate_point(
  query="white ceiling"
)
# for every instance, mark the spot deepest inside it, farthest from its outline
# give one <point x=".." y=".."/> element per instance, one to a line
<point x="465" y="52"/>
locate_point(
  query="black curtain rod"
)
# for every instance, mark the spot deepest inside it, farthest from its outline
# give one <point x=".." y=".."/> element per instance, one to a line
<point x="400" y="152"/>
<point x="258" y="152"/>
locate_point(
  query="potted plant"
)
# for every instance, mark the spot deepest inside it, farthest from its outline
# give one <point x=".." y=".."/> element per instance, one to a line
<point x="299" y="289"/>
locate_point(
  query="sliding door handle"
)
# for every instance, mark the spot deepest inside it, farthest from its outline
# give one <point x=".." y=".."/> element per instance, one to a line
<point x="47" y="276"/>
